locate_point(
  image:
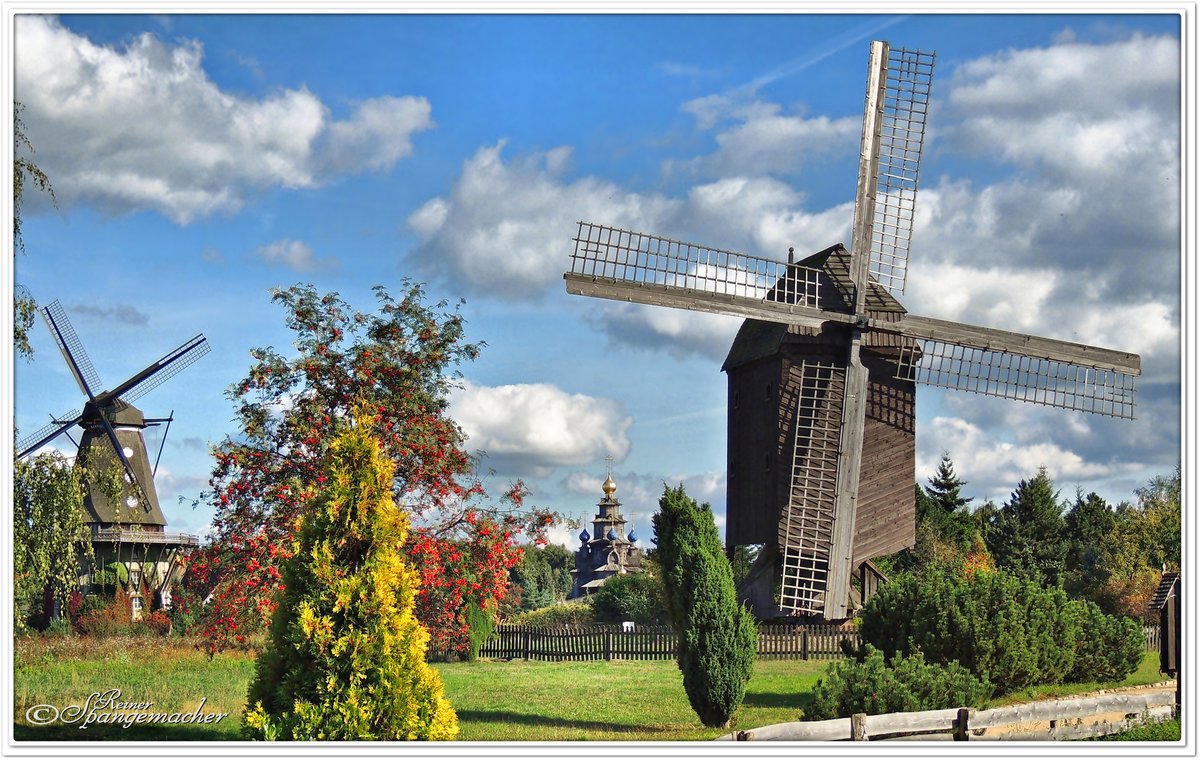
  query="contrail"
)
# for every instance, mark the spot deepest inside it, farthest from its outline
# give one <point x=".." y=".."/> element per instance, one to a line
<point x="839" y="43"/>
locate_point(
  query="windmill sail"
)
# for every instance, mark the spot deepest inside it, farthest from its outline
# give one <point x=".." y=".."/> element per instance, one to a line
<point x="162" y="370"/>
<point x="622" y="265"/>
<point x="806" y="526"/>
<point x="907" y="85"/>
<point x="1019" y="367"/>
<point x="72" y="349"/>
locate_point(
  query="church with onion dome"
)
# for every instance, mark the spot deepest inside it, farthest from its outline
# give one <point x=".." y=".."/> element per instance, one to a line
<point x="607" y="550"/>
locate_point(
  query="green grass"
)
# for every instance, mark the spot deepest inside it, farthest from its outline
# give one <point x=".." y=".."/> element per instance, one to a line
<point x="495" y="701"/>
<point x="1166" y="731"/>
<point x="1147" y="673"/>
<point x="609" y="701"/>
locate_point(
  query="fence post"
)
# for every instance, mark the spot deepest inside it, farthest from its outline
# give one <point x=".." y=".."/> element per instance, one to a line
<point x="962" y="725"/>
<point x="608" y="645"/>
<point x="803" y="643"/>
<point x="525" y="641"/>
<point x="858" y="727"/>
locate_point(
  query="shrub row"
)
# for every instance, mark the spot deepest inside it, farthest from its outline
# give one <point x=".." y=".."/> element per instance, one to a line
<point x="1007" y="630"/>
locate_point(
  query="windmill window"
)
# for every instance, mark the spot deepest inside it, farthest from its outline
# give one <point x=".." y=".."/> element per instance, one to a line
<point x="136" y="603"/>
<point x="135" y="579"/>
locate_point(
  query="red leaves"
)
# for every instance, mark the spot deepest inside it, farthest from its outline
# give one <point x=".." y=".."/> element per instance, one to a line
<point x="394" y="362"/>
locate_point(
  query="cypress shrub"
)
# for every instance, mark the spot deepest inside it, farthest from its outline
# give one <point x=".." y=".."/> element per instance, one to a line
<point x="345" y="659"/>
<point x="717" y="636"/>
<point x="903" y="684"/>
<point x="1110" y="647"/>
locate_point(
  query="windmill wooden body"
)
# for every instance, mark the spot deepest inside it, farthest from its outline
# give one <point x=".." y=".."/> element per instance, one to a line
<point x="126" y="521"/>
<point x="823" y="371"/>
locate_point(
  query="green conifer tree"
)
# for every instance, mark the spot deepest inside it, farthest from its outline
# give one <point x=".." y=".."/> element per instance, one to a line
<point x="717" y="636"/>
<point x="1029" y="534"/>
<point x="346" y="656"/>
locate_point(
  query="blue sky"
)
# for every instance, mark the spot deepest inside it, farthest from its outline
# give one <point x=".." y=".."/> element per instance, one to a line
<point x="199" y="161"/>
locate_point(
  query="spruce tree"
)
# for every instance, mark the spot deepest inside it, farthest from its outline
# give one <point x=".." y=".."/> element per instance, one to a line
<point x="717" y="636"/>
<point x="346" y="656"/>
<point x="1029" y="535"/>
<point x="945" y="507"/>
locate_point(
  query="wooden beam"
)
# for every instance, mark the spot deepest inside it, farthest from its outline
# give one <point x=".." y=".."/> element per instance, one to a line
<point x="850" y="446"/>
<point x="868" y="174"/>
<point x="992" y="339"/>
<point x="699" y="300"/>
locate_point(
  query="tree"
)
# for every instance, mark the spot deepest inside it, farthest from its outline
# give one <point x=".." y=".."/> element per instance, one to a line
<point x="49" y="538"/>
<point x="542" y="577"/>
<point x="346" y="655"/>
<point x="400" y="362"/>
<point x="635" y="597"/>
<point x="1089" y="523"/>
<point x="717" y="636"/>
<point x="1028" y="536"/>
<point x="945" y="507"/>
<point x="24" y="307"/>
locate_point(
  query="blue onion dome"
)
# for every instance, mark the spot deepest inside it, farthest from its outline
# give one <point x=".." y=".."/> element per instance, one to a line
<point x="612" y="534"/>
<point x="584" y="536"/>
<point x="633" y="536"/>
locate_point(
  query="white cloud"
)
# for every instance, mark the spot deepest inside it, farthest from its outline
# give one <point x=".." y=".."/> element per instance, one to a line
<point x="293" y="254"/>
<point x="143" y="127"/>
<point x="764" y="141"/>
<point x="505" y="228"/>
<point x="528" y="430"/>
<point x="993" y="467"/>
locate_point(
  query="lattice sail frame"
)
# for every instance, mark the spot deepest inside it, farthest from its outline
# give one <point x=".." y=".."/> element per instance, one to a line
<point x="1050" y="382"/>
<point x="908" y="84"/>
<point x="806" y="530"/>
<point x="635" y="258"/>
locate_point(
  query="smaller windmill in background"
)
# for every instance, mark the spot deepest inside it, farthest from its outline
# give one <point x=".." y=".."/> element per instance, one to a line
<point x="128" y="529"/>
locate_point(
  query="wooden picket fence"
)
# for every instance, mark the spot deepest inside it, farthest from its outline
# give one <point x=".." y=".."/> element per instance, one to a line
<point x="1152" y="633"/>
<point x="652" y="642"/>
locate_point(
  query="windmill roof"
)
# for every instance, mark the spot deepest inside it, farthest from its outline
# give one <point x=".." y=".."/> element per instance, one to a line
<point x="758" y="339"/>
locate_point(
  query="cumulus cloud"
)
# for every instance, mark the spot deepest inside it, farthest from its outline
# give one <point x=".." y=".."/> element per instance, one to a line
<point x="993" y="466"/>
<point x="143" y="127"/>
<point x="759" y="139"/>
<point x="529" y="430"/>
<point x="293" y="254"/>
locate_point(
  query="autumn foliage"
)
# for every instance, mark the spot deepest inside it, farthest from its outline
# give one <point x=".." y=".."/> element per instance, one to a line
<point x="399" y="363"/>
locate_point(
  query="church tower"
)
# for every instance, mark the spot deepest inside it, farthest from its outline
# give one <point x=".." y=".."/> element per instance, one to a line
<point x="606" y="551"/>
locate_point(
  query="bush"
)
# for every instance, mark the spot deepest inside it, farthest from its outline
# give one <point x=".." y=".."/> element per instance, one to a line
<point x="346" y="654"/>
<point x="906" y="683"/>
<point x="575" y="612"/>
<point x="634" y="596"/>
<point x="158" y="623"/>
<point x="1007" y="630"/>
<point x="481" y="624"/>
<point x="1109" y="647"/>
<point x="718" y="640"/>
<point x="105" y="617"/>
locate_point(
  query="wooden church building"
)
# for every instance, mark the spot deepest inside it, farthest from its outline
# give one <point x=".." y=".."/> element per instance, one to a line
<point x="607" y="550"/>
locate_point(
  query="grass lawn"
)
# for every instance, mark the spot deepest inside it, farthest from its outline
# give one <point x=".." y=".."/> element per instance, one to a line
<point x="495" y="701"/>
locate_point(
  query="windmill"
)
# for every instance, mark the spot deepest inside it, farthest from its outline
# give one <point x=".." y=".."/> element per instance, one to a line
<point x="834" y="358"/>
<point x="126" y="518"/>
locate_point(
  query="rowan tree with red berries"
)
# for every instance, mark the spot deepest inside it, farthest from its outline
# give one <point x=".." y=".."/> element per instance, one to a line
<point x="402" y="363"/>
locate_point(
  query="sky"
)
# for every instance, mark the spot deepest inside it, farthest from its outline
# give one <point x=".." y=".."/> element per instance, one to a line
<point x="199" y="161"/>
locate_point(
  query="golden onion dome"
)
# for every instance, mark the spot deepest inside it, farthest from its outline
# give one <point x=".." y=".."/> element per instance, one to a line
<point x="610" y="487"/>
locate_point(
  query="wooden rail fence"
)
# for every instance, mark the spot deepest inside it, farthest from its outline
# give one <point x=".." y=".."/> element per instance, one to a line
<point x="1050" y="719"/>
<point x="652" y="642"/>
